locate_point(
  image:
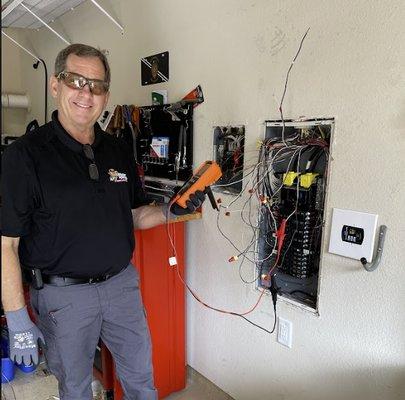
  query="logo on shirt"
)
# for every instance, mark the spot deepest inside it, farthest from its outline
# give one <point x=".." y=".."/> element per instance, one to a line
<point x="116" y="176"/>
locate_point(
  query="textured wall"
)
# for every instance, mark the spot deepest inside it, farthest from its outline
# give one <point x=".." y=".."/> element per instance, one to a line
<point x="351" y="68"/>
<point x="13" y="120"/>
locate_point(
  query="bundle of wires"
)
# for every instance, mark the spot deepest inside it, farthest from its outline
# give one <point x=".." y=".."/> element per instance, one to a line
<point x="262" y="193"/>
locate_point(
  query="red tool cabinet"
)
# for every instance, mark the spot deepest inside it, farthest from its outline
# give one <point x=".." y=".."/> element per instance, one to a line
<point x="164" y="300"/>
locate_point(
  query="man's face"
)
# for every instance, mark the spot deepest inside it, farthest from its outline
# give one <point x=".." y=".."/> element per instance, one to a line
<point x="79" y="109"/>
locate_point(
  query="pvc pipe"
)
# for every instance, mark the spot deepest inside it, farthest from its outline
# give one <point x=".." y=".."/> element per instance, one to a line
<point x="9" y="100"/>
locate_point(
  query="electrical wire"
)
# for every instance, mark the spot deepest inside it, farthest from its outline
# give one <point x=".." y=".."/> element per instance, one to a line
<point x="260" y="327"/>
<point x="263" y="185"/>
<point x="286" y="83"/>
<point x="259" y="180"/>
<point x="196" y="297"/>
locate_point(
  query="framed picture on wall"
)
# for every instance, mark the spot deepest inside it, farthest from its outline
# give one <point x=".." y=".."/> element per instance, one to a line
<point x="155" y="69"/>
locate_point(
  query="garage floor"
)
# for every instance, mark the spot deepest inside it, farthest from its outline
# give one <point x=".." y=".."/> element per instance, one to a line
<point x="40" y="385"/>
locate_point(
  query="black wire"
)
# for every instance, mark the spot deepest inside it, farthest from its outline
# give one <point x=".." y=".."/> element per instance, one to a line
<point x="35" y="65"/>
<point x="260" y="327"/>
<point x="46" y="89"/>
<point x="292" y="63"/>
<point x="286" y="82"/>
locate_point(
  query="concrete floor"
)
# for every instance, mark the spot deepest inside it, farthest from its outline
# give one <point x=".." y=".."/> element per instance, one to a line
<point x="40" y="385"/>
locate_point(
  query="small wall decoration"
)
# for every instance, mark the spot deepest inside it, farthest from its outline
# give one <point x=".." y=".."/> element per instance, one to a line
<point x="155" y="69"/>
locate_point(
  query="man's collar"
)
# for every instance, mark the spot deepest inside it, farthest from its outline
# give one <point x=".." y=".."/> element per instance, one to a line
<point x="68" y="140"/>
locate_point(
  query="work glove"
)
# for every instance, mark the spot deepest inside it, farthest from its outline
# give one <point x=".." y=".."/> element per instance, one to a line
<point x="24" y="337"/>
<point x="195" y="201"/>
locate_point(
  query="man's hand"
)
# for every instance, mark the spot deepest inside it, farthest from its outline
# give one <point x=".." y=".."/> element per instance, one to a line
<point x="24" y="337"/>
<point x="195" y="201"/>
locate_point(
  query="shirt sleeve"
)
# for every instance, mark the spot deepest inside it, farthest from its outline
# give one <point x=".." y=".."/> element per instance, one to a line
<point x="17" y="192"/>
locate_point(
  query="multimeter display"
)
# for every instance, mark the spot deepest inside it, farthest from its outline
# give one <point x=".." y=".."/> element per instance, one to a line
<point x="193" y="179"/>
<point x="352" y="234"/>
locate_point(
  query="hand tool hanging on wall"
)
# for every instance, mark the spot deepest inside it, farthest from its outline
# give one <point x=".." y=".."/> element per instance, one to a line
<point x="116" y="123"/>
<point x="196" y="96"/>
<point x="180" y="158"/>
<point x="127" y="113"/>
<point x="178" y="154"/>
<point x="183" y="159"/>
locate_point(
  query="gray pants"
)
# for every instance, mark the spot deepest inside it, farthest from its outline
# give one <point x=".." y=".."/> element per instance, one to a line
<point x="73" y="318"/>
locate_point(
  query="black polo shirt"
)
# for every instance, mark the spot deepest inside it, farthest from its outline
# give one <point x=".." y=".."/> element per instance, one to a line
<point x="69" y="224"/>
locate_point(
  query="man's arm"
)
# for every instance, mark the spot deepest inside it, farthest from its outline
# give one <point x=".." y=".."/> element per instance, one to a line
<point x="146" y="217"/>
<point x="12" y="294"/>
<point x="24" y="336"/>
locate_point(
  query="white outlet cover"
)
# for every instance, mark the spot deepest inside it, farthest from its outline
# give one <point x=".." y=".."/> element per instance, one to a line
<point x="360" y="220"/>
<point x="284" y="333"/>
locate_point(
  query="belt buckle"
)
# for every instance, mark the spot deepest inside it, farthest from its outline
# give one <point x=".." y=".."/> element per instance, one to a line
<point x="99" y="279"/>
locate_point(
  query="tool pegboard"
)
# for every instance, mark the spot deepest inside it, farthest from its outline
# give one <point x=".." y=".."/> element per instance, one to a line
<point x="161" y="139"/>
<point x="229" y="147"/>
<point x="165" y="141"/>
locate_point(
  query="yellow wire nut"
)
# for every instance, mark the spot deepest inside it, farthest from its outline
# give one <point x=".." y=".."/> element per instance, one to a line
<point x="289" y="177"/>
<point x="306" y="180"/>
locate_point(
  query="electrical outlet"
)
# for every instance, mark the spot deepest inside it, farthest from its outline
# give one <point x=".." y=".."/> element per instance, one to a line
<point x="284" y="333"/>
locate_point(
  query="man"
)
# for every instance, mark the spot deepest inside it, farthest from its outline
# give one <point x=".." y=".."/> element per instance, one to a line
<point x="71" y="199"/>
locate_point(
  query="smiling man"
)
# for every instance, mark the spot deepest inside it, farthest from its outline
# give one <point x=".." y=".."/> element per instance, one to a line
<point x="71" y="198"/>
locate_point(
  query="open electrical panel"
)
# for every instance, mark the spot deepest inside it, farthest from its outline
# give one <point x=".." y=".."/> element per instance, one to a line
<point x="293" y="161"/>
<point x="229" y="147"/>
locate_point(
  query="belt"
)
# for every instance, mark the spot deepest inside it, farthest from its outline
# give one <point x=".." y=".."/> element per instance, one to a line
<point x="66" y="281"/>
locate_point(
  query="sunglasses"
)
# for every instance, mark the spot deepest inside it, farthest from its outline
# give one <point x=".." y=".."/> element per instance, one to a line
<point x="93" y="170"/>
<point x="76" y="81"/>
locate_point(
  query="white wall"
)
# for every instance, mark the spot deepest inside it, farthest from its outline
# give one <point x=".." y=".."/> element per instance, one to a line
<point x="350" y="68"/>
<point x="14" y="120"/>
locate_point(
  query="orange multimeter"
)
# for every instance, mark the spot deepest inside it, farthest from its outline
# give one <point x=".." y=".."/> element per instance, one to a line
<point x="204" y="176"/>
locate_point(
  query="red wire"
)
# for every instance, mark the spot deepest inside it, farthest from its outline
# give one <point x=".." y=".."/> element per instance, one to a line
<point x="172" y="243"/>
<point x="280" y="234"/>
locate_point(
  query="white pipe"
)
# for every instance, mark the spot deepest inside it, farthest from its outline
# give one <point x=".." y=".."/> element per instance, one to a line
<point x="9" y="100"/>
<point x="108" y="15"/>
<point x="19" y="45"/>
<point x="44" y="23"/>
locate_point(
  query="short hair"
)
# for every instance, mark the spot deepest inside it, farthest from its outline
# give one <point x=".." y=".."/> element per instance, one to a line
<point x="81" y="50"/>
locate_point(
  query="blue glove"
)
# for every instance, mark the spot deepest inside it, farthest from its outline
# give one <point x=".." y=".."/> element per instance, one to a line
<point x="195" y="201"/>
<point x="24" y="337"/>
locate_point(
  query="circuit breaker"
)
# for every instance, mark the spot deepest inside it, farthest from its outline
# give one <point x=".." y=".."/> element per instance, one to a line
<point x="294" y="159"/>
